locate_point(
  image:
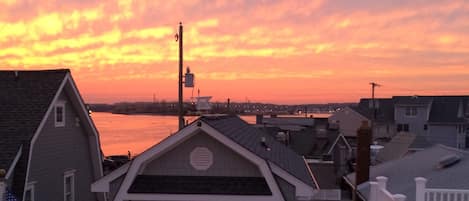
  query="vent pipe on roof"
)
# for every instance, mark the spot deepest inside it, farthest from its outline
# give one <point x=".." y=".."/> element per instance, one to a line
<point x="16" y="75"/>
<point x="264" y="144"/>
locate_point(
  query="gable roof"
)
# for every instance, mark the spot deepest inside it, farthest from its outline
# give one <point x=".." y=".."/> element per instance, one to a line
<point x="401" y="172"/>
<point x="250" y="138"/>
<point x="384" y="109"/>
<point x="25" y="97"/>
<point x="445" y="109"/>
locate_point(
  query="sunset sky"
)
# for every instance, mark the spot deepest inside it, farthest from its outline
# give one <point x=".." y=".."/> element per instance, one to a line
<point x="261" y="51"/>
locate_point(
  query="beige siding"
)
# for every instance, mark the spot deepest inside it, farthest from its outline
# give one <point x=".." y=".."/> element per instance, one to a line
<point x="226" y="162"/>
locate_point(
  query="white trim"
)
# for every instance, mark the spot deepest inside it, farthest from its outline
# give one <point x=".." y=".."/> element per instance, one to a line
<point x="90" y="123"/>
<point x="69" y="174"/>
<point x="337" y="140"/>
<point x="102" y="185"/>
<point x="30" y="187"/>
<point x="13" y="164"/>
<point x="59" y="104"/>
<point x="39" y="129"/>
<point x="139" y="164"/>
<point x="66" y="79"/>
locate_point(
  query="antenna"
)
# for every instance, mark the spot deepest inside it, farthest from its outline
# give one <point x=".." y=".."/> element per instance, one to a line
<point x="373" y="85"/>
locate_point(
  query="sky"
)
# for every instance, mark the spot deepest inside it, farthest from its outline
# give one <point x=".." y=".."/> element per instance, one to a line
<point x="288" y="52"/>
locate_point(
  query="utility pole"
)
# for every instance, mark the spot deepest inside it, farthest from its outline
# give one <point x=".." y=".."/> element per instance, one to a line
<point x="181" y="107"/>
<point x="373" y="85"/>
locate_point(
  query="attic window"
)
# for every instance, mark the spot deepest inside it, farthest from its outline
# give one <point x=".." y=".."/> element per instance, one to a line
<point x="201" y="158"/>
<point x="60" y="114"/>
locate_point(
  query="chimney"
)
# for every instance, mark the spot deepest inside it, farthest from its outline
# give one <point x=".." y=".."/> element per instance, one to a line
<point x="363" y="154"/>
<point x="259" y="118"/>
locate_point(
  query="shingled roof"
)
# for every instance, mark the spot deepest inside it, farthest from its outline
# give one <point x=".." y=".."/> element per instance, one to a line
<point x="384" y="109"/>
<point x="25" y="97"/>
<point x="250" y="138"/>
<point x="448" y="109"/>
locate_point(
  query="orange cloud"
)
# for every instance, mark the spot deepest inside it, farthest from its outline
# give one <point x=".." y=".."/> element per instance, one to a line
<point x="302" y="51"/>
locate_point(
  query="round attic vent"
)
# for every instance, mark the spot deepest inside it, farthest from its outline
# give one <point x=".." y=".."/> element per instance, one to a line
<point x="201" y="158"/>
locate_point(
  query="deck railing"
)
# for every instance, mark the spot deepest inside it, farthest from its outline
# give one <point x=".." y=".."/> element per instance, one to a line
<point x="436" y="194"/>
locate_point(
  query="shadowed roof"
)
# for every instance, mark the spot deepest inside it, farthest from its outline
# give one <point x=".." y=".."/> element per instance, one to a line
<point x="250" y="138"/>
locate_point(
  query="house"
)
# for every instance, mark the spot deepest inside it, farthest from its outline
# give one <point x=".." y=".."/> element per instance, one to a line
<point x="349" y="118"/>
<point x="436" y="119"/>
<point x="49" y="147"/>
<point x="442" y="166"/>
<point x="218" y="157"/>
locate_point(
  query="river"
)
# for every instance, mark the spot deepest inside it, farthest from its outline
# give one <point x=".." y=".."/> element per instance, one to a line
<point x="135" y="133"/>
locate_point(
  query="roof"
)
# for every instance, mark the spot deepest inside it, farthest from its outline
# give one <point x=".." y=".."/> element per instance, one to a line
<point x="401" y="172"/>
<point x="446" y="109"/>
<point x="384" y="109"/>
<point x="412" y="100"/>
<point x="200" y="185"/>
<point x="326" y="175"/>
<point x="249" y="137"/>
<point x="24" y="100"/>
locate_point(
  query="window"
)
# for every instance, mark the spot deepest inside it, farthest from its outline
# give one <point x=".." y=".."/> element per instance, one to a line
<point x="425" y="127"/>
<point x="29" y="192"/>
<point x="69" y="185"/>
<point x="411" y="111"/>
<point x="60" y="114"/>
<point x="403" y="127"/>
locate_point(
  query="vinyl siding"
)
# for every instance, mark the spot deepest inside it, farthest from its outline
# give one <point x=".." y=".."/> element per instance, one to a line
<point x="226" y="162"/>
<point x="59" y="149"/>
<point x="443" y="134"/>
<point x="416" y="123"/>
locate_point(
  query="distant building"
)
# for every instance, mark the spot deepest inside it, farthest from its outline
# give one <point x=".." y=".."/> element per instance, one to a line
<point x="437" y="119"/>
<point x="349" y="119"/>
<point x="213" y="158"/>
<point x="49" y="146"/>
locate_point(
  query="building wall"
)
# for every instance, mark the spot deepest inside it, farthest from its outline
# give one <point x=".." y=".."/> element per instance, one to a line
<point x="443" y="134"/>
<point x="60" y="149"/>
<point x="226" y="162"/>
<point x="349" y="121"/>
<point x="416" y="123"/>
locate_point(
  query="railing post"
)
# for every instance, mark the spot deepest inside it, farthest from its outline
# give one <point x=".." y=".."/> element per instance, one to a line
<point x="382" y="182"/>
<point x="399" y="197"/>
<point x="420" y="185"/>
<point x="374" y="191"/>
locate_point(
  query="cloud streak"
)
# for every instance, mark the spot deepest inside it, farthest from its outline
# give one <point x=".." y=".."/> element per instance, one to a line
<point x="308" y="43"/>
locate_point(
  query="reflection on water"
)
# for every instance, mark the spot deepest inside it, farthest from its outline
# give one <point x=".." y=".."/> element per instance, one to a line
<point x="135" y="133"/>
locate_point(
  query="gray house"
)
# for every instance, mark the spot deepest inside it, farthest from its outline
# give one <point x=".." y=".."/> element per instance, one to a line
<point x="440" y="119"/>
<point x="214" y="158"/>
<point x="49" y="147"/>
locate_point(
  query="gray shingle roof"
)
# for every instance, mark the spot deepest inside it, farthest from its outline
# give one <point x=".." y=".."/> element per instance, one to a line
<point x="24" y="101"/>
<point x="445" y="109"/>
<point x="250" y="138"/>
<point x="412" y="100"/>
<point x="401" y="172"/>
<point x="384" y="112"/>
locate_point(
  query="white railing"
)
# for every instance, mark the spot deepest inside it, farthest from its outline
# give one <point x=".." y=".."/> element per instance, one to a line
<point x="435" y="194"/>
<point x="327" y="194"/>
<point x="378" y="191"/>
